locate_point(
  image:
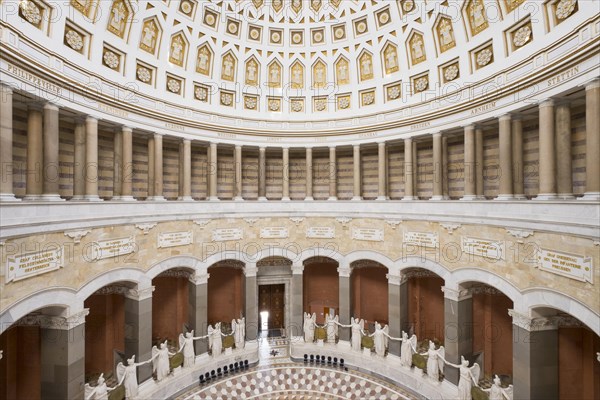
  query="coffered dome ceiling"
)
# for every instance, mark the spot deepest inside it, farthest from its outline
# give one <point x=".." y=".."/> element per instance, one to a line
<point x="298" y="59"/>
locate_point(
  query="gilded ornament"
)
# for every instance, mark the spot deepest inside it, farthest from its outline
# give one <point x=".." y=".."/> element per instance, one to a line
<point x="275" y="37"/>
<point x="384" y="18"/>
<point x="250" y="103"/>
<point x="74" y="40"/>
<point x="186" y="7"/>
<point x="174" y="86"/>
<point x="226" y="99"/>
<point x="421" y="84"/>
<point x="320" y="105"/>
<point x="144" y="74"/>
<point x="254" y="33"/>
<point x="361" y="27"/>
<point x="297" y="38"/>
<point x="318" y="37"/>
<point x="111" y="59"/>
<point x="522" y="36"/>
<point x="394" y="92"/>
<point x="451" y="72"/>
<point x="344" y="102"/>
<point x="31" y="12"/>
<point x="339" y="33"/>
<point x="201" y="93"/>
<point x="232" y="28"/>
<point x="274" y="105"/>
<point x="484" y="57"/>
<point x="368" y="98"/>
<point x="565" y="8"/>
<point x="296" y="106"/>
<point x="210" y="19"/>
<point x="408" y="5"/>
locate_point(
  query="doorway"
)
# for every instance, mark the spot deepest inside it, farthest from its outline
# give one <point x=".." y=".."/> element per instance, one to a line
<point x="271" y="304"/>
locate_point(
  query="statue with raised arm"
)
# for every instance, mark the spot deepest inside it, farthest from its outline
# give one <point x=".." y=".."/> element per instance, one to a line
<point x="468" y="377"/>
<point x="160" y="361"/>
<point x="186" y="344"/>
<point x="309" y="327"/>
<point x="435" y="361"/>
<point x="357" y="326"/>
<point x="215" y="340"/>
<point x="98" y="392"/>
<point x="380" y="339"/>
<point x="497" y="392"/>
<point x="127" y="375"/>
<point x="238" y="327"/>
<point x="409" y="346"/>
<point x="332" y="327"/>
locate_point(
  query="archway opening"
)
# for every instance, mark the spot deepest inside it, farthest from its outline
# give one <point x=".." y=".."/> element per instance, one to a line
<point x="425" y="308"/>
<point x="170" y="304"/>
<point x="369" y="292"/>
<point x="321" y="287"/>
<point x="226" y="288"/>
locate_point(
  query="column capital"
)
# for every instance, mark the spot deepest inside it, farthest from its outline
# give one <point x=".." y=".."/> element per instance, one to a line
<point x="332" y="147"/>
<point x="50" y="106"/>
<point x="238" y="146"/>
<point x="356" y="146"/>
<point x="199" y="278"/>
<point x="470" y="126"/>
<point x="456" y="294"/>
<point x="126" y="129"/>
<point x="54" y="322"/>
<point x="504" y="117"/>
<point x="297" y="269"/>
<point x="437" y="134"/>
<point x="394" y="279"/>
<point x="91" y="118"/>
<point x="593" y="84"/>
<point x="308" y="147"/>
<point x="250" y="270"/>
<point x="344" y="271"/>
<point x="546" y="103"/>
<point x="532" y="323"/>
<point x="185" y="141"/>
<point x="212" y="144"/>
<point x="35" y="106"/>
<point x="5" y="88"/>
<point x="381" y="142"/>
<point x="408" y="140"/>
<point x="262" y="149"/>
<point x="140" y="294"/>
<point x="157" y="134"/>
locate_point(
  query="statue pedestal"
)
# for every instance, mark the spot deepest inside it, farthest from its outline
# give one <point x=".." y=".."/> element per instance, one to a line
<point x="228" y="351"/>
<point x="367" y="352"/>
<point x="320" y="342"/>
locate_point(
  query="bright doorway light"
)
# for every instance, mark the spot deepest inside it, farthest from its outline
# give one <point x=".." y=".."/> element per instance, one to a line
<point x="264" y="321"/>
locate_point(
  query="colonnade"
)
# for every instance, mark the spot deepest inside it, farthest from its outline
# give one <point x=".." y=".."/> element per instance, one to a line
<point x="555" y="176"/>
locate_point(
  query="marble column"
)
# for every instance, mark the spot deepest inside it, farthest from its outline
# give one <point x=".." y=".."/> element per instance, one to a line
<point x="458" y="335"/>
<point x="286" y="174"/>
<point x="151" y="162"/>
<point x="6" y="144"/>
<point x="344" y="272"/>
<point x="296" y="320"/>
<point x="117" y="167"/>
<point x="357" y="168"/>
<point x="469" y="164"/>
<point x="445" y="168"/>
<point x="212" y="173"/>
<point x="198" y="309"/>
<point x="592" y="141"/>
<point x="138" y="328"/>
<point x="382" y="186"/>
<point x="127" y="165"/>
<point x="309" y="175"/>
<point x="564" y="173"/>
<point x="51" y="163"/>
<point x="262" y="174"/>
<point x="535" y="358"/>
<point x="35" y="155"/>
<point x="438" y="186"/>
<point x="415" y="163"/>
<point x="186" y="156"/>
<point x="91" y="160"/>
<point x="332" y="174"/>
<point x="158" y="168"/>
<point x="409" y="172"/>
<point x="251" y="290"/>
<point x="547" y="152"/>
<point x="479" y="188"/>
<point x="62" y="356"/>
<point x="397" y="310"/>
<point x="505" y="190"/>
<point x="517" y="157"/>
<point x="238" y="173"/>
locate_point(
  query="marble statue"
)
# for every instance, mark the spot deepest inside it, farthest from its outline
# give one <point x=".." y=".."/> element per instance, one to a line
<point x="215" y="340"/>
<point x="239" y="331"/>
<point x="409" y="346"/>
<point x="497" y="392"/>
<point x="380" y="338"/>
<point x="186" y="343"/>
<point x="309" y="327"/>
<point x="332" y="327"/>
<point x="435" y="361"/>
<point x="468" y="376"/>
<point x="127" y="375"/>
<point x="160" y="361"/>
<point x="98" y="392"/>
<point x="358" y="326"/>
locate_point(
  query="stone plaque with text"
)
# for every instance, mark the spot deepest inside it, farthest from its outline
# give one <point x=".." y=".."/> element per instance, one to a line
<point x="369" y="234"/>
<point x="224" y="234"/>
<point x="32" y="264"/>
<point x="423" y="239"/>
<point x="172" y="239"/>
<point x="112" y="248"/>
<point x="276" y="232"/>
<point x="320" y="232"/>
<point x="482" y="247"/>
<point x="570" y="265"/>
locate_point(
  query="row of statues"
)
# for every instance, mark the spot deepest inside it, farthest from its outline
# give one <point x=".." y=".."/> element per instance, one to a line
<point x="127" y="374"/>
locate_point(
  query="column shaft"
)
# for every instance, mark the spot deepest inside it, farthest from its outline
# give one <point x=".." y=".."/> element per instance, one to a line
<point x="186" y="191"/>
<point x="517" y="158"/>
<point x="286" y="174"/>
<point x="357" y="168"/>
<point x="458" y="320"/>
<point x="592" y="140"/>
<point x="212" y="172"/>
<point x="151" y="162"/>
<point x="91" y="159"/>
<point x="158" y="168"/>
<point x="127" y="164"/>
<point x="262" y="173"/>
<point x="309" y="174"/>
<point x="117" y="164"/>
<point x="479" y="188"/>
<point x="238" y="173"/>
<point x="409" y="173"/>
<point x="438" y="186"/>
<point x="547" y="157"/>
<point x="252" y="321"/>
<point x="35" y="155"/>
<point x="296" y="304"/>
<point x="344" y="300"/>
<point x="6" y="144"/>
<point x="469" y="164"/>
<point x="332" y="174"/>
<point x="382" y="194"/>
<point x="138" y="338"/>
<point x="505" y="144"/>
<point x="198" y="313"/>
<point x="51" y="164"/>
<point x="445" y="167"/>
<point x="564" y="173"/>
<point x="394" y="313"/>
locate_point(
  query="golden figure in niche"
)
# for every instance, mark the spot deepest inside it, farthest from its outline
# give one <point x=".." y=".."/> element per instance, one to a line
<point x="178" y="48"/>
<point x="477" y="18"/>
<point x="512" y="4"/>
<point x="342" y="72"/>
<point x="445" y="34"/>
<point x="277" y="5"/>
<point x="275" y="75"/>
<point x="149" y="36"/>
<point x="366" y="66"/>
<point x="319" y="74"/>
<point x="297" y="75"/>
<point x="252" y="72"/>
<point x="119" y="13"/>
<point x="390" y="57"/>
<point x="296" y="5"/>
<point x="316" y="4"/>
<point x="83" y="6"/>
<point x="417" y="49"/>
<point x="228" y="67"/>
<point x="204" y="60"/>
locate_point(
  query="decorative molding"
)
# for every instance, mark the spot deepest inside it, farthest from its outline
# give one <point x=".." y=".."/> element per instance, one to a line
<point x="485" y="289"/>
<point x="450" y="226"/>
<point x="199" y="279"/>
<point x="202" y="222"/>
<point x="532" y="324"/>
<point x="175" y="273"/>
<point x="393" y="223"/>
<point x="297" y="269"/>
<point x="595" y="243"/>
<point x="567" y="321"/>
<point x="133" y="294"/>
<point x="251" y="221"/>
<point x="394" y="279"/>
<point x="344" y="221"/>
<point x="456" y="295"/>
<point x="344" y="272"/>
<point x="145" y="227"/>
<point x="519" y="233"/>
<point x="274" y="262"/>
<point x="250" y="271"/>
<point x="77" y="235"/>
<point x="297" y="220"/>
<point x="54" y="322"/>
<point x="417" y="274"/>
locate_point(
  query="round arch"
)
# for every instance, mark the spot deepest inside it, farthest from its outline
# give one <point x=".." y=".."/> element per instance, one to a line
<point x="185" y="262"/>
<point x="133" y="275"/>
<point x="464" y="275"/>
<point x="369" y="255"/>
<point x="424" y="263"/>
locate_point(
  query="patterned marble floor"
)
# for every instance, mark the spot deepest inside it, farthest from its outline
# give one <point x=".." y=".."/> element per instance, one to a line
<point x="276" y="377"/>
